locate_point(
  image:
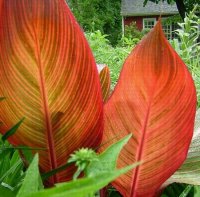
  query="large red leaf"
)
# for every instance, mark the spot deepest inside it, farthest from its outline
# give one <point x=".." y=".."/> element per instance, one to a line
<point x="48" y="75"/>
<point x="155" y="100"/>
<point x="189" y="172"/>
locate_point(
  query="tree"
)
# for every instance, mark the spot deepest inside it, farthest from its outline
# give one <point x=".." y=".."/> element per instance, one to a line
<point x="103" y="15"/>
<point x="183" y="6"/>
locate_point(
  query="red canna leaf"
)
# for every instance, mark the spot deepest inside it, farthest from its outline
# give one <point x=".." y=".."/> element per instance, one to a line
<point x="189" y="172"/>
<point x="48" y="75"/>
<point x="155" y="99"/>
<point x="104" y="74"/>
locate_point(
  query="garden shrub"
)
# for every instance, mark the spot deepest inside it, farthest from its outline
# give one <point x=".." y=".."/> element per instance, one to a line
<point x="187" y="46"/>
<point x="105" y="53"/>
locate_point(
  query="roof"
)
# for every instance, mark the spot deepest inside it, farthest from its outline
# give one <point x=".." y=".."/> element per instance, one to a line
<point x="136" y="8"/>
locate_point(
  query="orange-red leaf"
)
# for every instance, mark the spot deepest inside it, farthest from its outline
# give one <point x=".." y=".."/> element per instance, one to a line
<point x="189" y="172"/>
<point x="104" y="74"/>
<point x="155" y="99"/>
<point x="48" y="75"/>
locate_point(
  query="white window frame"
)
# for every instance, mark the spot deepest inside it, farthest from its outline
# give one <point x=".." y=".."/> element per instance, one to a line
<point x="148" y="19"/>
<point x="169" y="36"/>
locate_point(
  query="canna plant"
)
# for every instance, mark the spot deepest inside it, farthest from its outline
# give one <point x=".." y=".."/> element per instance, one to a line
<point x="154" y="99"/>
<point x="48" y="76"/>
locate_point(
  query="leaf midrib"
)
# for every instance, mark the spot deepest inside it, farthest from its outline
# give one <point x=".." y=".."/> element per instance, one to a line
<point x="139" y="156"/>
<point x="144" y="129"/>
<point x="47" y="119"/>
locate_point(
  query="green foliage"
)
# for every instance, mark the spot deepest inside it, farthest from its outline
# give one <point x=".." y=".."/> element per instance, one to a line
<point x="81" y="187"/>
<point x="11" y="170"/>
<point x="178" y="190"/>
<point x="97" y="176"/>
<point x="6" y="192"/>
<point x="11" y="164"/>
<point x="196" y="191"/>
<point x="11" y="131"/>
<point x="186" y="191"/>
<point x="131" y="36"/>
<point x="32" y="181"/>
<point x="131" y="31"/>
<point x="105" y="53"/>
<point x="82" y="158"/>
<point x="103" y="15"/>
<point x="189" y="4"/>
<point x="172" y="20"/>
<point x="188" y="46"/>
<point x="107" y="160"/>
<point x="101" y="169"/>
<point x="46" y="175"/>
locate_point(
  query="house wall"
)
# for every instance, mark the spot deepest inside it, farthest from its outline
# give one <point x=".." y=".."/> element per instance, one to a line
<point x="139" y="20"/>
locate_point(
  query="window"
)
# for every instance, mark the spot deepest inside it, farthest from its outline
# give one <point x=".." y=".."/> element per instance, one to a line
<point x="149" y="23"/>
<point x="169" y="28"/>
<point x="174" y="28"/>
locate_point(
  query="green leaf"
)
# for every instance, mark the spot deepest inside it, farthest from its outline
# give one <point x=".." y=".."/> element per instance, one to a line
<point x="24" y="148"/>
<point x="4" y="164"/>
<point x="196" y="191"/>
<point x="55" y="171"/>
<point x="89" y="185"/>
<point x="108" y="159"/>
<point x="81" y="187"/>
<point x="12" y="130"/>
<point x="27" y="156"/>
<point x="145" y="2"/>
<point x="177" y="189"/>
<point x="11" y="169"/>
<point x="16" y="174"/>
<point x="15" y="158"/>
<point x="32" y="179"/>
<point x="186" y="191"/>
<point x="6" y="192"/>
<point x="2" y="98"/>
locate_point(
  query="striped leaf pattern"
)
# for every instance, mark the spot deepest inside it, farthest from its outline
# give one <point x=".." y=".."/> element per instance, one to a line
<point x="104" y="74"/>
<point x="189" y="172"/>
<point x="155" y="100"/>
<point x="48" y="75"/>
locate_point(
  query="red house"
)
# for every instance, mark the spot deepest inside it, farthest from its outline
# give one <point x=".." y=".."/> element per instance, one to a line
<point x="146" y="17"/>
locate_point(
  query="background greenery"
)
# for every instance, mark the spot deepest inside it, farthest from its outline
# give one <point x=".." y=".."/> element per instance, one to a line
<point x="102" y="15"/>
